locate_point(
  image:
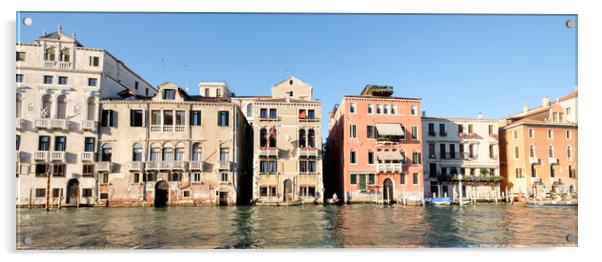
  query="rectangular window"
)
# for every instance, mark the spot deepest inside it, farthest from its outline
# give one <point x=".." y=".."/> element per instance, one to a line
<point x="431" y="129"/>
<point x="41" y="170"/>
<point x="108" y="118"/>
<point x="195" y="118"/>
<point x="136" y="118"/>
<point x="370" y="108"/>
<point x="550" y="133"/>
<point x="156" y="117"/>
<point x="311" y="114"/>
<point x="442" y="151"/>
<point x="416" y="158"/>
<point x="352" y="108"/>
<point x="62" y="80"/>
<point x="224" y="177"/>
<point x="452" y="151"/>
<point x="415" y="178"/>
<point x="60" y="143"/>
<point x="353" y="131"/>
<point x="393" y="109"/>
<point x="20" y="56"/>
<point x="44" y="143"/>
<point x="19" y="78"/>
<point x="18" y="143"/>
<point x="104" y="196"/>
<point x="442" y="130"/>
<point x="516" y="152"/>
<point x="515" y="134"/>
<point x="370" y="132"/>
<point x="491" y="129"/>
<point x="167" y="118"/>
<point x="104" y="179"/>
<point x="362" y="182"/>
<point x="47" y="79"/>
<point x="386" y="109"/>
<point x="180" y="118"/>
<point x="87" y="192"/>
<point x="169" y="94"/>
<point x="371" y="179"/>
<point x="414" y="110"/>
<point x="88" y="170"/>
<point x="352" y="157"/>
<point x="92" y="81"/>
<point x="273" y="113"/>
<point x="414" y="133"/>
<point x="379" y="109"/>
<point x="568" y="134"/>
<point x="223" y="118"/>
<point x="175" y="177"/>
<point x="40" y="192"/>
<point x="370" y="157"/>
<point x="403" y="178"/>
<point x="432" y="151"/>
<point x="56" y="192"/>
<point x="460" y="128"/>
<point x="491" y="152"/>
<point x="94" y="61"/>
<point x="263" y="113"/>
<point x="470" y="129"/>
<point x="531" y="133"/>
<point x="196" y="177"/>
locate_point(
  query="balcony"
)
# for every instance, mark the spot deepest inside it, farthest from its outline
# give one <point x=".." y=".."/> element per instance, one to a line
<point x="432" y="133"/>
<point x="87" y="156"/>
<point x="18" y="124"/>
<point x="389" y="167"/>
<point x="180" y="129"/>
<point x="267" y="179"/>
<point x="155" y="128"/>
<point x="152" y="165"/>
<point x="443" y="133"/>
<point x="469" y="156"/>
<point x="224" y="165"/>
<point x="89" y="125"/>
<point x="309" y="119"/>
<point x="58" y="156"/>
<point x="268" y="151"/>
<point x="58" y="65"/>
<point x="104" y="166"/>
<point x="553" y="161"/>
<point x="59" y="124"/>
<point x="179" y="165"/>
<point x="166" y="165"/>
<point x="271" y="118"/>
<point x="533" y="160"/>
<point x="41" y="123"/>
<point x="40" y="155"/>
<point x="449" y="156"/>
<point x="309" y="152"/>
<point x="167" y="128"/>
<point x="136" y="166"/>
<point x="309" y="178"/>
<point x="196" y="165"/>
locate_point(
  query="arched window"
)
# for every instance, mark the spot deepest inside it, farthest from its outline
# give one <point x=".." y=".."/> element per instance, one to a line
<point x="91" y="109"/>
<point x="250" y="110"/>
<point x="65" y="55"/>
<point x="196" y="152"/>
<point x="302" y="138"/>
<point x="106" y="152"/>
<point x="311" y="138"/>
<point x="61" y="107"/>
<point x="46" y="106"/>
<point x="273" y="137"/>
<point x="137" y="152"/>
<point x="263" y="137"/>
<point x="50" y="54"/>
<point x="155" y="153"/>
<point x="18" y="112"/>
<point x="180" y="150"/>
<point x="167" y="152"/>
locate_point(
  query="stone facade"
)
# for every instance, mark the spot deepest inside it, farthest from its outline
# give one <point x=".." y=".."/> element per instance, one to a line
<point x="59" y="85"/>
<point x="287" y="144"/>
<point x="461" y="146"/>
<point x="172" y="149"/>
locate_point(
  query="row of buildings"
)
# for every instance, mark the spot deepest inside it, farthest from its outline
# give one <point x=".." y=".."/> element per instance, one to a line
<point x="90" y="131"/>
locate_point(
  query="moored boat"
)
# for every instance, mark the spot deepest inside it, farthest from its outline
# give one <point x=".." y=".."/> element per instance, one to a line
<point x="551" y="203"/>
<point x="439" y="201"/>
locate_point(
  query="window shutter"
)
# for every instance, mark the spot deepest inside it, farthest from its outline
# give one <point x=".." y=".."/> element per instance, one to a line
<point x="113" y="118"/>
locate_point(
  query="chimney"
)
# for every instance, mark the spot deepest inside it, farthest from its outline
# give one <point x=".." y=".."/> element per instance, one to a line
<point x="525" y="109"/>
<point x="480" y="115"/>
<point x="423" y="113"/>
<point x="545" y="101"/>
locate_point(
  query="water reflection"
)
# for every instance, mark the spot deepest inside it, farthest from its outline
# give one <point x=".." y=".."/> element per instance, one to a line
<point x="483" y="225"/>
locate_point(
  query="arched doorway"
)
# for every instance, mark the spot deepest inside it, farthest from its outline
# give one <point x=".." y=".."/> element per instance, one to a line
<point x="72" y="190"/>
<point x="161" y="193"/>
<point x="388" y="190"/>
<point x="288" y="190"/>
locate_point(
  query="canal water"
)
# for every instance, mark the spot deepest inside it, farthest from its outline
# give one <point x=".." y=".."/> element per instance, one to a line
<point x="481" y="225"/>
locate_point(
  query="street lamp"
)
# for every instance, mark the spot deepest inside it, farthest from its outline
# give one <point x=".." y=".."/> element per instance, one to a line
<point x="460" y="189"/>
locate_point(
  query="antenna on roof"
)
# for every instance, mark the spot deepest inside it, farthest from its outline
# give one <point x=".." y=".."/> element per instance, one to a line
<point x="59" y="28"/>
<point x="45" y="32"/>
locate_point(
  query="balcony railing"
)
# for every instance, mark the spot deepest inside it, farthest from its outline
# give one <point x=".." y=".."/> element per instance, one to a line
<point x="268" y="151"/>
<point x="166" y="165"/>
<point x="179" y="165"/>
<point x="267" y="118"/>
<point x="57" y="156"/>
<point x="103" y="166"/>
<point x="309" y="152"/>
<point x="155" y="128"/>
<point x="136" y="166"/>
<point x="41" y="123"/>
<point x="152" y="165"/>
<point x="224" y="165"/>
<point x="18" y="124"/>
<point x="167" y="128"/>
<point x="40" y="155"/>
<point x="87" y="156"/>
<point x="533" y="160"/>
<point x="89" y="125"/>
<point x="468" y="156"/>
<point x="196" y="165"/>
<point x="64" y="65"/>
<point x="180" y="129"/>
<point x="308" y="119"/>
<point x="59" y="124"/>
<point x="58" y="64"/>
<point x="448" y="155"/>
<point x="389" y="167"/>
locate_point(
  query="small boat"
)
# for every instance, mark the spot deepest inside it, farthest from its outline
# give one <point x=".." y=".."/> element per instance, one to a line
<point x="552" y="203"/>
<point x="297" y="202"/>
<point x="439" y="201"/>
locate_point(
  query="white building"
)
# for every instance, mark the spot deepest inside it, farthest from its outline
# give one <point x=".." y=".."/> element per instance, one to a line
<point x="58" y="86"/>
<point x="461" y="146"/>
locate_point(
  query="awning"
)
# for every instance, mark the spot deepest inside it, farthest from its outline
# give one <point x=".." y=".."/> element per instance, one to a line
<point x="389" y="129"/>
<point x="389" y="155"/>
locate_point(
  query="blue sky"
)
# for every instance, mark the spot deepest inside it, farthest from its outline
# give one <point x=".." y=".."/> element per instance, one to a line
<point x="458" y="64"/>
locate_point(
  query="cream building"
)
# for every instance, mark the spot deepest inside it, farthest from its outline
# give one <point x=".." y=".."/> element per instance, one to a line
<point x="173" y="149"/>
<point x="287" y="143"/>
<point x="461" y="146"/>
<point x="59" y="83"/>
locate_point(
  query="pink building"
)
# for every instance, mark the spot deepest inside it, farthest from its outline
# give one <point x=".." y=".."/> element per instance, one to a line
<point x="374" y="150"/>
